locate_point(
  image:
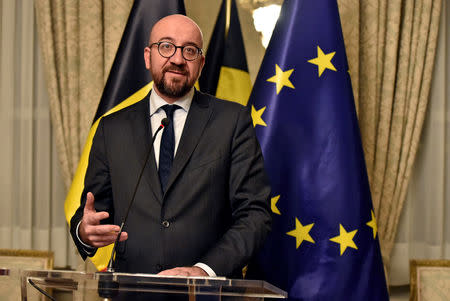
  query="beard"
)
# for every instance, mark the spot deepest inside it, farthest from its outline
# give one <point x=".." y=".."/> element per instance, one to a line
<point x="174" y="88"/>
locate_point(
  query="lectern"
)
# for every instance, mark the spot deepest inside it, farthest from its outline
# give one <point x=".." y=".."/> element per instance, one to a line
<point x="194" y="288"/>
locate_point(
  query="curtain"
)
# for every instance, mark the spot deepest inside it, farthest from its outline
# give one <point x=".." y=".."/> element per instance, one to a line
<point x="391" y="48"/>
<point x="403" y="97"/>
<point x="31" y="187"/>
<point x="424" y="228"/>
<point x="79" y="39"/>
<point x="46" y="113"/>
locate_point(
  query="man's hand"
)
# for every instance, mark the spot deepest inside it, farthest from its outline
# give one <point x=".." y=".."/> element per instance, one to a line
<point x="185" y="271"/>
<point x="90" y="230"/>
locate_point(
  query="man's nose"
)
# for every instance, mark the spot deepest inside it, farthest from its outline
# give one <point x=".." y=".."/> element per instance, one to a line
<point x="177" y="57"/>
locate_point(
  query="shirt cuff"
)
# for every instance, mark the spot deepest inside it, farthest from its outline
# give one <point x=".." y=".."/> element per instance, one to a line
<point x="87" y="248"/>
<point x="206" y="268"/>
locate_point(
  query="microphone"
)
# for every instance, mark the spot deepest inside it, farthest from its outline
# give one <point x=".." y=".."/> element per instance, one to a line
<point x="107" y="288"/>
<point x="164" y="122"/>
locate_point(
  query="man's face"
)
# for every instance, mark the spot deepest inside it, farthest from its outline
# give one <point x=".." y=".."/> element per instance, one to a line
<point x="173" y="77"/>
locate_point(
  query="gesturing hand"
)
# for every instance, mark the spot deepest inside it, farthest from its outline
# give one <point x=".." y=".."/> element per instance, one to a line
<point x="90" y="230"/>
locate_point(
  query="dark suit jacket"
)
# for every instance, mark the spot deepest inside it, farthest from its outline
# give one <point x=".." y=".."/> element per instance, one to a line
<point x="216" y="208"/>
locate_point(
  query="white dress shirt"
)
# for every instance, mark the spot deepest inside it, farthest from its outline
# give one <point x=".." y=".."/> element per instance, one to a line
<point x="179" y="119"/>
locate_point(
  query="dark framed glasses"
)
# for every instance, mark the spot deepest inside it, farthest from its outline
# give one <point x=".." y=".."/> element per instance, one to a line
<point x="168" y="49"/>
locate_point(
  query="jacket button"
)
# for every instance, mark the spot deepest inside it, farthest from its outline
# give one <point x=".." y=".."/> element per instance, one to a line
<point x="159" y="267"/>
<point x="165" y="224"/>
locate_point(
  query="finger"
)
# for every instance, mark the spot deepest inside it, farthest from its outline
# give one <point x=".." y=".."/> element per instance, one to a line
<point x="123" y="236"/>
<point x="104" y="240"/>
<point x="101" y="215"/>
<point x="184" y="271"/>
<point x="171" y="272"/>
<point x="180" y="271"/>
<point x="111" y="237"/>
<point x="102" y="230"/>
<point x="89" y="206"/>
<point x="95" y="218"/>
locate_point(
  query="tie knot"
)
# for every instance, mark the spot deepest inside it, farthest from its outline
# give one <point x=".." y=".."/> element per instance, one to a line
<point x="169" y="109"/>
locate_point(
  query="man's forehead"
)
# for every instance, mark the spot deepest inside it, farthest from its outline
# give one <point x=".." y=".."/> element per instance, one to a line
<point x="176" y="27"/>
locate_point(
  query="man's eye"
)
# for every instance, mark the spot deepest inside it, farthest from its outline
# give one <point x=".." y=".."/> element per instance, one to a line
<point x="189" y="50"/>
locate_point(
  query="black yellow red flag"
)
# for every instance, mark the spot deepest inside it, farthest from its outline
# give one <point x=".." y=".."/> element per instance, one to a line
<point x="128" y="83"/>
<point x="225" y="73"/>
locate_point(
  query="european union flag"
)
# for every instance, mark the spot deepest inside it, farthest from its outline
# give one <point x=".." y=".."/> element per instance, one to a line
<point x="324" y="243"/>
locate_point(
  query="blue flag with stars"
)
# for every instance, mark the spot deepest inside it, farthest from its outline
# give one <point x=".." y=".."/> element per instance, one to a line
<point x="324" y="243"/>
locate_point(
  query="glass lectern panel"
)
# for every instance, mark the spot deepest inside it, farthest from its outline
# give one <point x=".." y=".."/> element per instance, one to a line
<point x="123" y="286"/>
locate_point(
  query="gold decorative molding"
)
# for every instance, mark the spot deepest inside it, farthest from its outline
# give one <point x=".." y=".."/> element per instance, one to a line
<point x="48" y="255"/>
<point x="415" y="265"/>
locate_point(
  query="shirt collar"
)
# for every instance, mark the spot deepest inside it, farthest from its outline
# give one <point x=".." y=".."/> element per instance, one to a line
<point x="157" y="102"/>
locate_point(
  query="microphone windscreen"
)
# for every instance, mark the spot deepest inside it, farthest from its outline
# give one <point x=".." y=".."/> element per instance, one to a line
<point x="165" y="122"/>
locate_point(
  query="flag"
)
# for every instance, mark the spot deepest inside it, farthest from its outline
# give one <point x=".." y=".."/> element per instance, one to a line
<point x="324" y="243"/>
<point x="225" y="73"/>
<point x="128" y="82"/>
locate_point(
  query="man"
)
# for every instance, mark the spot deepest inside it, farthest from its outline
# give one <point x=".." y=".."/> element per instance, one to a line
<point x="205" y="213"/>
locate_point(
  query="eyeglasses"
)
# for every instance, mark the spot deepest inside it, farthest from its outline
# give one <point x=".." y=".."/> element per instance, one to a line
<point x="168" y="49"/>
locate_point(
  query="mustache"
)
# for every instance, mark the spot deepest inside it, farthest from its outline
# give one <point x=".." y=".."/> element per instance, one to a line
<point x="175" y="69"/>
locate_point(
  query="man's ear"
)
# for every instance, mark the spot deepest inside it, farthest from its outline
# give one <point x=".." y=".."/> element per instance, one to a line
<point x="147" y="57"/>
<point x="203" y="62"/>
<point x="201" y="66"/>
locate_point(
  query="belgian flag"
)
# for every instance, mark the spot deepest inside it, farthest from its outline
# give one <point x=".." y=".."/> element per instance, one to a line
<point x="128" y="83"/>
<point x="225" y="73"/>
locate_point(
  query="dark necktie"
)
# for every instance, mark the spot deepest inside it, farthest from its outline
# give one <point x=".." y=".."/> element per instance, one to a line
<point x="167" y="147"/>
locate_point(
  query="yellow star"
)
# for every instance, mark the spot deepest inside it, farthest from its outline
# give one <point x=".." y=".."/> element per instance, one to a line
<point x="373" y="224"/>
<point x="323" y="61"/>
<point x="257" y="116"/>
<point x="301" y="233"/>
<point x="345" y="239"/>
<point x="273" y="204"/>
<point x="281" y="78"/>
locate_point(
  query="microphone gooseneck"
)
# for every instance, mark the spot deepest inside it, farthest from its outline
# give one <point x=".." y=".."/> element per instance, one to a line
<point x="40" y="290"/>
<point x="164" y="122"/>
<point x="107" y="287"/>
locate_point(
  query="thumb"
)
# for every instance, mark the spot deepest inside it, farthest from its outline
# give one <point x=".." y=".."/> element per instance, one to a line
<point x="89" y="206"/>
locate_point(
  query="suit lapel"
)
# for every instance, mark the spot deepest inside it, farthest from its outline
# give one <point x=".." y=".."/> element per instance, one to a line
<point x="142" y="133"/>
<point x="198" y="116"/>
